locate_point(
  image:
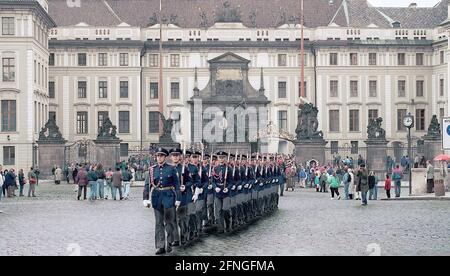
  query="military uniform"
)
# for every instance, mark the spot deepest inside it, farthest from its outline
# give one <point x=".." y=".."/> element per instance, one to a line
<point x="221" y="194"/>
<point x="163" y="188"/>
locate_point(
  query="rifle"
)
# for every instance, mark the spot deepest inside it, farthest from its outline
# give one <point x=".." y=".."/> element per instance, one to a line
<point x="182" y="164"/>
<point x="256" y="166"/>
<point x="235" y="161"/>
<point x="210" y="167"/>
<point x="226" y="170"/>
<point x="246" y="167"/>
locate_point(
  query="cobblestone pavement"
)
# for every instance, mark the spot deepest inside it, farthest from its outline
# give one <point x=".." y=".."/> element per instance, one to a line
<point x="307" y="223"/>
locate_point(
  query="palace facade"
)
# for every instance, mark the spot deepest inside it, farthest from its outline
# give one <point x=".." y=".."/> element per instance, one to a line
<point x="81" y="61"/>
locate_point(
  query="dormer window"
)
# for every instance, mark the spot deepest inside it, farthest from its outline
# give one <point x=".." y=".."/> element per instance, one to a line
<point x="396" y="24"/>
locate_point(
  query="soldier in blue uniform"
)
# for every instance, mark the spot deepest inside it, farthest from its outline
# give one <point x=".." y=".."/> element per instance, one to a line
<point x="195" y="178"/>
<point x="200" y="193"/>
<point x="232" y="183"/>
<point x="221" y="192"/>
<point x="185" y="186"/>
<point x="245" y="198"/>
<point x="210" y="191"/>
<point x="163" y="187"/>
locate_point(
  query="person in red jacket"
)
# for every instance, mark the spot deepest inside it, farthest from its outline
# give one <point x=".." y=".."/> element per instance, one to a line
<point x="387" y="186"/>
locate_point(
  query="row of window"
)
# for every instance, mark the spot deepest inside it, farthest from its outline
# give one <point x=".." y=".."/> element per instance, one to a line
<point x="102" y="59"/>
<point x="401" y="59"/>
<point x="82" y="123"/>
<point x="124" y="90"/>
<point x="282" y="59"/>
<point x="373" y="89"/>
<point x="282" y="89"/>
<point x="354" y="119"/>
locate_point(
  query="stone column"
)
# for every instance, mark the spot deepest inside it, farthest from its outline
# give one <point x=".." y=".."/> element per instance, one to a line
<point x="432" y="148"/>
<point x="107" y="152"/>
<point x="307" y="150"/>
<point x="376" y="156"/>
<point x="49" y="155"/>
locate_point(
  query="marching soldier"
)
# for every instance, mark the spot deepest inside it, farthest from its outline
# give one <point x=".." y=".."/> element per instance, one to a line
<point x="200" y="194"/>
<point x="221" y="199"/>
<point x="162" y="186"/>
<point x="193" y="193"/>
<point x="185" y="185"/>
<point x="209" y="191"/>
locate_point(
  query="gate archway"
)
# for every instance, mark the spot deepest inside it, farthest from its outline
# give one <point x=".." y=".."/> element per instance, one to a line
<point x="82" y="151"/>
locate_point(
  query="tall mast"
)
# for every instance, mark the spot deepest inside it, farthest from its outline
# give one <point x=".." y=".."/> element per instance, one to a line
<point x="160" y="83"/>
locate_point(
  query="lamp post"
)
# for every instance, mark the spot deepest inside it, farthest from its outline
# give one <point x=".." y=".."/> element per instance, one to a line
<point x="408" y="122"/>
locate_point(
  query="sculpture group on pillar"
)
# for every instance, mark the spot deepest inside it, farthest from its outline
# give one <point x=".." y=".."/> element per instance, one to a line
<point x="308" y="123"/>
<point x="375" y="131"/>
<point x="434" y="130"/>
<point x="50" y="133"/>
<point x="168" y="123"/>
<point x="107" y="131"/>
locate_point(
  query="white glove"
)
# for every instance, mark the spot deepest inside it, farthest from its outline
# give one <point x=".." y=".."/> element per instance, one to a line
<point x="182" y="188"/>
<point x="262" y="184"/>
<point x="246" y="186"/>
<point x="239" y="187"/>
<point x="250" y="186"/>
<point x="217" y="190"/>
<point x="200" y="191"/>
<point x="209" y="187"/>
<point x="177" y="204"/>
<point x="256" y="182"/>
<point x="225" y="190"/>
<point x="233" y="188"/>
<point x="147" y="203"/>
<point x="194" y="198"/>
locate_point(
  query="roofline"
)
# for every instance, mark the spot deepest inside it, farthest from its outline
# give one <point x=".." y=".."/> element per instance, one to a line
<point x="153" y="45"/>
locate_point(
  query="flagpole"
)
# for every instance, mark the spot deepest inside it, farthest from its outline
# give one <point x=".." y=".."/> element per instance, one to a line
<point x="302" y="54"/>
<point x="160" y="84"/>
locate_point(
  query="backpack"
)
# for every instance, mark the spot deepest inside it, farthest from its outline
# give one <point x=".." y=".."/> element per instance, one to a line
<point x="349" y="178"/>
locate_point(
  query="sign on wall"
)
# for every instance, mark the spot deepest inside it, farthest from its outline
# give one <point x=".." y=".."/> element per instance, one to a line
<point x="446" y="133"/>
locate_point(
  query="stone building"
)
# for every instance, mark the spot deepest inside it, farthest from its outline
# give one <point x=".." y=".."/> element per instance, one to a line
<point x="101" y="59"/>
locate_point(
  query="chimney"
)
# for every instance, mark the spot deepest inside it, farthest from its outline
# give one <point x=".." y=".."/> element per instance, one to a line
<point x="413" y="5"/>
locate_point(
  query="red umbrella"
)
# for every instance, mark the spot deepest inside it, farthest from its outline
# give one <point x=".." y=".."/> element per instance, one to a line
<point x="442" y="158"/>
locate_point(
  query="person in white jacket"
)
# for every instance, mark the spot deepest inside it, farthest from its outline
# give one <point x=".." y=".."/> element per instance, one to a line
<point x="351" y="187"/>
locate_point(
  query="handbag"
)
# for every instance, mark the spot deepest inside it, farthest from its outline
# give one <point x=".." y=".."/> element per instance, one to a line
<point x="33" y="181"/>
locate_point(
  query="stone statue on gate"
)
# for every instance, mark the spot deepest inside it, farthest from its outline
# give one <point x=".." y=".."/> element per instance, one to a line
<point x="107" y="131"/>
<point x="434" y="130"/>
<point x="50" y="133"/>
<point x="308" y="123"/>
<point x="168" y="124"/>
<point x="375" y="131"/>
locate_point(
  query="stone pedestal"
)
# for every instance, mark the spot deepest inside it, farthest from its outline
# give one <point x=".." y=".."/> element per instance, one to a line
<point x="49" y="156"/>
<point x="419" y="182"/>
<point x="307" y="150"/>
<point x="107" y="152"/>
<point x="376" y="156"/>
<point x="432" y="147"/>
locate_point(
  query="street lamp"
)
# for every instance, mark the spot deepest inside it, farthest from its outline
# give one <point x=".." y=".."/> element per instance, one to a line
<point x="408" y="122"/>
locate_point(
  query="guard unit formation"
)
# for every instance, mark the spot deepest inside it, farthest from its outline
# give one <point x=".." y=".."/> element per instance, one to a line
<point x="200" y="193"/>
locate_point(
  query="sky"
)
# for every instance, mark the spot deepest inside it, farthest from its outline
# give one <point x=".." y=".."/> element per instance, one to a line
<point x="403" y="3"/>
